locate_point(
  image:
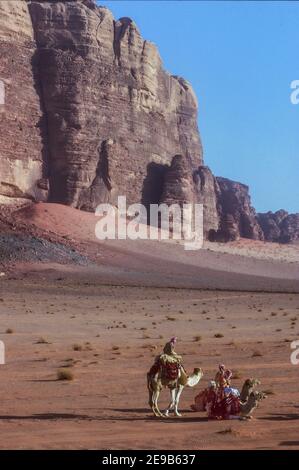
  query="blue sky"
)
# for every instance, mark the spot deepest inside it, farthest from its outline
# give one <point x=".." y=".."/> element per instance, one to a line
<point x="240" y="58"/>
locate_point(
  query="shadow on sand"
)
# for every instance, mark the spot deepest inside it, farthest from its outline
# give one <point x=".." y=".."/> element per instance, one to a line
<point x="281" y="417"/>
<point x="289" y="443"/>
<point x="144" y="412"/>
<point x="150" y="417"/>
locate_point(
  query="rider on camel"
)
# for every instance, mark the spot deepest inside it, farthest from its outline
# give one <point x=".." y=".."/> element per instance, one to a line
<point x="169" y="362"/>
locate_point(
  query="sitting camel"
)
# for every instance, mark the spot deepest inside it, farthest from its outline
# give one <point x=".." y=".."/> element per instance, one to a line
<point x="247" y="388"/>
<point x="155" y="384"/>
<point x="230" y="406"/>
<point x="251" y="404"/>
<point x="214" y="394"/>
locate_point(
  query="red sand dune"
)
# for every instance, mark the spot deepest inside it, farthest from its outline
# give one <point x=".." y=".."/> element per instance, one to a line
<point x="244" y="265"/>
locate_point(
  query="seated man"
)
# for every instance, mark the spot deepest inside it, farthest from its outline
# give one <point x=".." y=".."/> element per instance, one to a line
<point x="208" y="395"/>
<point x="219" y="399"/>
<point x="223" y="376"/>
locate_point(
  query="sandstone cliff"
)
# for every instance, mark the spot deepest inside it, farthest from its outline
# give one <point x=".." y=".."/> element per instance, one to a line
<point x="21" y="119"/>
<point x="238" y="217"/>
<point x="103" y="86"/>
<point x="280" y="226"/>
<point x="91" y="114"/>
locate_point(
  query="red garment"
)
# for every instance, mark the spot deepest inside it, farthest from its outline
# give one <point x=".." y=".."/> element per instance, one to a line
<point x="169" y="370"/>
<point x="200" y="401"/>
<point x="223" y="408"/>
<point x="208" y="395"/>
<point x="154" y="369"/>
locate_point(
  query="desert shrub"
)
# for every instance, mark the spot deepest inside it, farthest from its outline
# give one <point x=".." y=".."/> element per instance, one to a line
<point x="63" y="374"/>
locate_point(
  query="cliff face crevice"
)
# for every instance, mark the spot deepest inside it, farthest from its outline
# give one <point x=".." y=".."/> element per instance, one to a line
<point x="121" y="27"/>
<point x="91" y="114"/>
<point x="42" y="124"/>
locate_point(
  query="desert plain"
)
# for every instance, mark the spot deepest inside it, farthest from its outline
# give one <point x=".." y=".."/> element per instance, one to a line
<point x="104" y="322"/>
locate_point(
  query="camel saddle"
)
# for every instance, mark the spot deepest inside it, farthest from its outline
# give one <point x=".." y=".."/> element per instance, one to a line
<point x="168" y="366"/>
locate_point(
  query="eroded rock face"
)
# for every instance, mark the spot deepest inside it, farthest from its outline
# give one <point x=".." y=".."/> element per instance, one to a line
<point x="238" y="218"/>
<point x="178" y="183"/>
<point x="280" y="226"/>
<point x="90" y="114"/>
<point x="101" y="81"/>
<point x="22" y="152"/>
<point x="207" y="193"/>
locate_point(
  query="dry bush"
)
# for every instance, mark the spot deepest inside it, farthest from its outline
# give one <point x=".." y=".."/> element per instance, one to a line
<point x="197" y="338"/>
<point x="63" y="374"/>
<point x="256" y="354"/>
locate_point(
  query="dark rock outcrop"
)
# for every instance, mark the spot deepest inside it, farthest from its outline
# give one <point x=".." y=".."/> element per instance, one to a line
<point x="178" y="183"/>
<point x="207" y="193"/>
<point x="238" y="218"/>
<point x="280" y="226"/>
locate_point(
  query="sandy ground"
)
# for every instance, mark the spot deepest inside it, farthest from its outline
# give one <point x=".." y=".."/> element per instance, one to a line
<point x="119" y="311"/>
<point x="243" y="265"/>
<point x="120" y="330"/>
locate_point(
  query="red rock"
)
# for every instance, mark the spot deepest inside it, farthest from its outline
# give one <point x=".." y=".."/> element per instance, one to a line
<point x="90" y="114"/>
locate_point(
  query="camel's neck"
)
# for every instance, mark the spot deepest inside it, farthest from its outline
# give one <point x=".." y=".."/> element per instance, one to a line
<point x="245" y="392"/>
<point x="248" y="407"/>
<point x="193" y="380"/>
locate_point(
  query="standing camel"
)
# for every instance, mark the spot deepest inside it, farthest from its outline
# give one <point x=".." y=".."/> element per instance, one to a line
<point x="155" y="384"/>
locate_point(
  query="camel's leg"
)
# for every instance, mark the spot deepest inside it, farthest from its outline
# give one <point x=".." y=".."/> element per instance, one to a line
<point x="177" y="399"/>
<point x="150" y="396"/>
<point x="153" y="390"/>
<point x="154" y="403"/>
<point x="172" y="401"/>
<point x="150" y="399"/>
<point x="157" y="412"/>
<point x="154" y="399"/>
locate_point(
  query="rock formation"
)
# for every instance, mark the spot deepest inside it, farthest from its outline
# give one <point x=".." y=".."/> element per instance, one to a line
<point x="208" y="193"/>
<point x="238" y="218"/>
<point x="21" y="119"/>
<point x="101" y="82"/>
<point x="91" y="114"/>
<point x="280" y="226"/>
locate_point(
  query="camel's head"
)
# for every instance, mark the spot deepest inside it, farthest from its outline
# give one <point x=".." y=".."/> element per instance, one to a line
<point x="252" y="382"/>
<point x="198" y="371"/>
<point x="195" y="377"/>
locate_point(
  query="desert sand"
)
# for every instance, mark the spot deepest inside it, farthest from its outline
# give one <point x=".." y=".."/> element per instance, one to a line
<point x="106" y="321"/>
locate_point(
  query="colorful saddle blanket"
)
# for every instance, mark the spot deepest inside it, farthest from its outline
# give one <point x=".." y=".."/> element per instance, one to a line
<point x="169" y="370"/>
